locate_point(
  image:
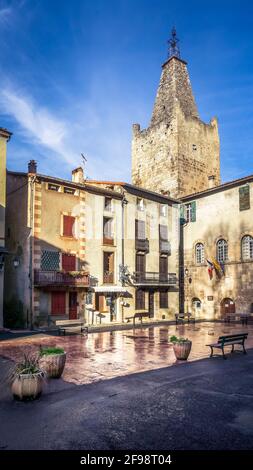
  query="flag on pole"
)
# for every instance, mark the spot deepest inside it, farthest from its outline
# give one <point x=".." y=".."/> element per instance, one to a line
<point x="210" y="268"/>
<point x="217" y="267"/>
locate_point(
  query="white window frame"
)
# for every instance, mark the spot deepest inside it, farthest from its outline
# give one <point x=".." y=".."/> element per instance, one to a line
<point x="222" y="250"/>
<point x="199" y="253"/>
<point x="247" y="247"/>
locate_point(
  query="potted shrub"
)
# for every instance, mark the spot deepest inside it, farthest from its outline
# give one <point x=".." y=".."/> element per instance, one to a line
<point x="27" y="378"/>
<point x="52" y="361"/>
<point x="182" y="347"/>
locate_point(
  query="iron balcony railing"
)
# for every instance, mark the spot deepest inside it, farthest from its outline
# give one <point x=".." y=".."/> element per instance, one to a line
<point x="57" y="278"/>
<point x="155" y="278"/>
<point x="142" y="244"/>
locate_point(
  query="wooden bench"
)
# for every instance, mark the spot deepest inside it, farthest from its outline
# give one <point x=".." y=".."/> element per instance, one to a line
<point x="229" y="340"/>
<point x="184" y="317"/>
<point x="242" y="317"/>
<point x="139" y="315"/>
<point x="71" y="325"/>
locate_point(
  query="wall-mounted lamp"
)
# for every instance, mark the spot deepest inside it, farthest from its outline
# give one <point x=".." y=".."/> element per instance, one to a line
<point x="16" y="263"/>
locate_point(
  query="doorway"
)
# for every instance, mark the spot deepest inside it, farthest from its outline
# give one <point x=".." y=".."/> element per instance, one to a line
<point x="73" y="305"/>
<point x="151" y="304"/>
<point x="227" y="306"/>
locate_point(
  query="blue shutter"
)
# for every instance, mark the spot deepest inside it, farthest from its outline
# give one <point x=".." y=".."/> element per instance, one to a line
<point x="182" y="214"/>
<point x="193" y="211"/>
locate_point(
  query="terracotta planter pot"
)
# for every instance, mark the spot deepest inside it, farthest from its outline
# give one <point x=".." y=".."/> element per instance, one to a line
<point x="27" y="386"/>
<point x="182" y="350"/>
<point x="53" y="364"/>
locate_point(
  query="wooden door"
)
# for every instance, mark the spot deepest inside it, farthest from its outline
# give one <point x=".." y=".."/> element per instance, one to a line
<point x="151" y="306"/>
<point x="227" y="307"/>
<point x="58" y="303"/>
<point x="73" y="305"/>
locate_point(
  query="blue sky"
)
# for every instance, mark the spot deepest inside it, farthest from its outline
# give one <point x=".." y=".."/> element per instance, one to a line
<point x="75" y="76"/>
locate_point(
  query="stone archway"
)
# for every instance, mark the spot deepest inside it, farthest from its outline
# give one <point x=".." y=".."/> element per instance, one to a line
<point x="227" y="306"/>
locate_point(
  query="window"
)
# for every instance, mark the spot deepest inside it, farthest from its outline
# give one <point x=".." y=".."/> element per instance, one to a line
<point x="163" y="210"/>
<point x="68" y="226"/>
<point x="108" y="276"/>
<point x="50" y="260"/>
<point x="194" y="147"/>
<point x="140" y="299"/>
<point x="140" y="230"/>
<point x="58" y="303"/>
<point x="164" y="299"/>
<point x="190" y="212"/>
<point x="199" y="253"/>
<point x="163" y="232"/>
<point x="196" y="303"/>
<point x="140" y="204"/>
<point x="244" y="198"/>
<point x="54" y="187"/>
<point x="222" y="251"/>
<point x="140" y="263"/>
<point x="68" y="262"/>
<point x="247" y="247"/>
<point x="107" y="231"/>
<point x="69" y="190"/>
<point x="108" y="204"/>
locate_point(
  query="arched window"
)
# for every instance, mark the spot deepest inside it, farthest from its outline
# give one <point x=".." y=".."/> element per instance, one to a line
<point x="196" y="303"/>
<point x="199" y="253"/>
<point x="247" y="247"/>
<point x="222" y="251"/>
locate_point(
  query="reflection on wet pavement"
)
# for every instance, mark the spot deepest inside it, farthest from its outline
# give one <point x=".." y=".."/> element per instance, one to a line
<point x="105" y="355"/>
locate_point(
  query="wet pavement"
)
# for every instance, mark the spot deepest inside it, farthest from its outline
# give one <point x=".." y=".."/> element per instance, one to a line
<point x="103" y="356"/>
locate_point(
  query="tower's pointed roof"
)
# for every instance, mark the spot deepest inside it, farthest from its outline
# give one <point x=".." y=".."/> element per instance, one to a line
<point x="174" y="87"/>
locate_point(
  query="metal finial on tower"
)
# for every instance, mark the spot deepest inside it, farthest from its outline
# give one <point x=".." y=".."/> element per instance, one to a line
<point x="173" y="44"/>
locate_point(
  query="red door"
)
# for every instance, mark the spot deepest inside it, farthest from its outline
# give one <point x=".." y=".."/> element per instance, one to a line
<point x="72" y="305"/>
<point x="58" y="303"/>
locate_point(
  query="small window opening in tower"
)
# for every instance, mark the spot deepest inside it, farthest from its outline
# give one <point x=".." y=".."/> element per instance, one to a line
<point x="194" y="147"/>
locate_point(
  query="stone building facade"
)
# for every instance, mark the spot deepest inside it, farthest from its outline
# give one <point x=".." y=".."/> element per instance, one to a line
<point x="4" y="138"/>
<point x="74" y="240"/>
<point x="178" y="154"/>
<point x="221" y="230"/>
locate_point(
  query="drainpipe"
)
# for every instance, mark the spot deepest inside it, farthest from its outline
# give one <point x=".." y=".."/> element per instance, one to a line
<point x="31" y="223"/>
<point x="124" y="202"/>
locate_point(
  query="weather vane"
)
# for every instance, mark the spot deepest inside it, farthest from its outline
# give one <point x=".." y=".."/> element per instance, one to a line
<point x="173" y="44"/>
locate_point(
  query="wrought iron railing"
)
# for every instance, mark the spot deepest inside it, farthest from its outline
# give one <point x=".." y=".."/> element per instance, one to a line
<point x="57" y="278"/>
<point x="155" y="278"/>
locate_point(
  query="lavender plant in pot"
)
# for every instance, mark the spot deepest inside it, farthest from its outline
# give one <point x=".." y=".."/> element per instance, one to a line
<point x="182" y="347"/>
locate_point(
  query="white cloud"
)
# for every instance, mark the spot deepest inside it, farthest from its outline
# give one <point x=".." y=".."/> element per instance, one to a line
<point x="37" y="123"/>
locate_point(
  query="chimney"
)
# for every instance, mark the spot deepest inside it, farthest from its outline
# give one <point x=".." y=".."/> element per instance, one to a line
<point x="211" y="181"/>
<point x="77" y="175"/>
<point x="32" y="167"/>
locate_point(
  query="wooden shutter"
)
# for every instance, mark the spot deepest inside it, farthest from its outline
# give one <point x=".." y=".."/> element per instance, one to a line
<point x="163" y="232"/>
<point x="164" y="299"/>
<point x="139" y="229"/>
<point x="140" y="263"/>
<point x="140" y="299"/>
<point x="68" y="262"/>
<point x="163" y="265"/>
<point x="193" y="211"/>
<point x="58" y="303"/>
<point x="244" y="198"/>
<point x="68" y="225"/>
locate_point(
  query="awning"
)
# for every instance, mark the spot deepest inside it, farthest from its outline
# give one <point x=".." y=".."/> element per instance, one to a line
<point x="110" y="289"/>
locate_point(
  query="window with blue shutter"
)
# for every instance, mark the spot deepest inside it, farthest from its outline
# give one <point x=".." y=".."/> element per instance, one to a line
<point x="244" y="198"/>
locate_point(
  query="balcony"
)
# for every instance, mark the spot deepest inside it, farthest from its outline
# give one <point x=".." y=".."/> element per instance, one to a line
<point x="164" y="247"/>
<point x="142" y="245"/>
<point x="108" y="277"/>
<point x="155" y="279"/>
<point x="56" y="278"/>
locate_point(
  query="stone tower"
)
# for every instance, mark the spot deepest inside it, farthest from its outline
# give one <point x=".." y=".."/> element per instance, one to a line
<point x="178" y="154"/>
